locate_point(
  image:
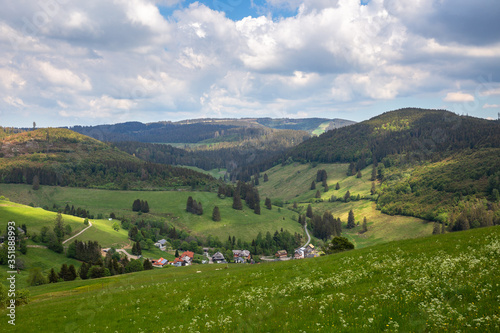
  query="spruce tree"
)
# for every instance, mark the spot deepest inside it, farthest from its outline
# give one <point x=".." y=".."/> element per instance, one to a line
<point x="257" y="208"/>
<point x="337" y="186"/>
<point x="313" y="185"/>
<point x="365" y="225"/>
<point x="266" y="178"/>
<point x="136" y="206"/>
<point x="317" y="195"/>
<point x="237" y="201"/>
<point x="358" y="175"/>
<point x="374" y="173"/>
<point x="147" y="265"/>
<point x="59" y="226"/>
<point x="64" y="273"/>
<point x="53" y="277"/>
<point x="350" y="220"/>
<point x="216" y="214"/>
<point x="138" y="248"/>
<point x="189" y="205"/>
<point x="144" y="207"/>
<point x="134" y="249"/>
<point x="269" y="205"/>
<point x="72" y="272"/>
<point x="309" y="212"/>
<point x="177" y="253"/>
<point x="347" y="196"/>
<point x="373" y="190"/>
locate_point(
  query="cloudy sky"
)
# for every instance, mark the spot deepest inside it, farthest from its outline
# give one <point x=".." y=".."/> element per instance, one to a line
<point x="65" y="62"/>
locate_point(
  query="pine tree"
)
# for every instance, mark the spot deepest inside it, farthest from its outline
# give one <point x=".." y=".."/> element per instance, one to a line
<point x="216" y="214"/>
<point x="138" y="248"/>
<point x="365" y="225"/>
<point x="337" y="186"/>
<point x="52" y="277"/>
<point x="350" y="220"/>
<point x="347" y="196"/>
<point x="59" y="226"/>
<point x="295" y="206"/>
<point x="134" y="249"/>
<point x="373" y="190"/>
<point x="189" y="205"/>
<point x="147" y="265"/>
<point x="177" y="253"/>
<point x="358" y="175"/>
<point x="313" y="185"/>
<point x="72" y="273"/>
<point x="199" y="211"/>
<point x="317" y="195"/>
<point x="144" y="207"/>
<point x="237" y="201"/>
<point x="374" y="173"/>
<point x="257" y="208"/>
<point x="268" y="204"/>
<point x="136" y="206"/>
<point x="266" y="178"/>
<point x="64" y="273"/>
<point x="83" y="271"/>
<point x="309" y="212"/>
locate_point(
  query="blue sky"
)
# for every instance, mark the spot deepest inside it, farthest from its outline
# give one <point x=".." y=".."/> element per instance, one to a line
<point x="67" y="63"/>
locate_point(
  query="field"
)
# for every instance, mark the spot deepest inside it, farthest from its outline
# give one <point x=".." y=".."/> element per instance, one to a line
<point x="418" y="285"/>
<point x="164" y="205"/>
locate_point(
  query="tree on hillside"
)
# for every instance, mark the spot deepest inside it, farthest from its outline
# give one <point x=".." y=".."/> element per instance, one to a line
<point x="309" y="212"/>
<point x="189" y="204"/>
<point x="317" y="195"/>
<point x="374" y="173"/>
<point x="216" y="214"/>
<point x="64" y="272"/>
<point x="269" y="205"/>
<point x="337" y="186"/>
<point x="257" y="208"/>
<point x="177" y="253"/>
<point x="83" y="271"/>
<point x="237" y="201"/>
<point x="266" y="178"/>
<point x="147" y="265"/>
<point x="52" y="277"/>
<point x="36" y="183"/>
<point x="59" y="226"/>
<point x="325" y="185"/>
<point x="358" y="175"/>
<point x="351" y="170"/>
<point x="72" y="272"/>
<point x="347" y="196"/>
<point x="313" y="185"/>
<point x="338" y="244"/>
<point x="116" y="226"/>
<point x="351" y="223"/>
<point x="373" y="190"/>
<point x="36" y="277"/>
<point x="365" y="225"/>
<point x="136" y="206"/>
<point x="144" y="207"/>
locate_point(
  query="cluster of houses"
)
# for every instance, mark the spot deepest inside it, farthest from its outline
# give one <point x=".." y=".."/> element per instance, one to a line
<point x="306" y="252"/>
<point x="239" y="256"/>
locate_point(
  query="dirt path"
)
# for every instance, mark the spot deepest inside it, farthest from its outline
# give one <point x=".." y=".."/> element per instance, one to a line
<point x="78" y="234"/>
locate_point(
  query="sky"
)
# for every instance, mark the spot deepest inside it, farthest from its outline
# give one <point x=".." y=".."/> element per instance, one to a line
<point x="65" y="62"/>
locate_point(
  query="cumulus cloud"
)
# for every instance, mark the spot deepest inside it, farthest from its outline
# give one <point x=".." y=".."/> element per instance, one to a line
<point x="458" y="97"/>
<point x="97" y="61"/>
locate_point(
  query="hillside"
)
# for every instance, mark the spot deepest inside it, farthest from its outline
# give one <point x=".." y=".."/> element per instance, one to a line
<point x="66" y="158"/>
<point x="360" y="290"/>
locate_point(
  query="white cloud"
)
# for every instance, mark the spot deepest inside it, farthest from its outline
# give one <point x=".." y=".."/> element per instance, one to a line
<point x="63" y="77"/>
<point x="458" y="97"/>
<point x="491" y="92"/>
<point x="491" y="106"/>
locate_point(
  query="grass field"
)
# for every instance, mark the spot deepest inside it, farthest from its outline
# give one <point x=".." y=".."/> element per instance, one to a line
<point x="34" y="218"/>
<point x="216" y="173"/>
<point x="433" y="284"/>
<point x="165" y="205"/>
<point x="293" y="182"/>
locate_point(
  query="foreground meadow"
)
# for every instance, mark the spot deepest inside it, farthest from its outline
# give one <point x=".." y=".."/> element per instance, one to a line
<point x="434" y="284"/>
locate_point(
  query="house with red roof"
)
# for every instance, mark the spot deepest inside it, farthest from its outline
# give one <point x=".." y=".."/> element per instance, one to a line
<point x="185" y="259"/>
<point x="160" y="262"/>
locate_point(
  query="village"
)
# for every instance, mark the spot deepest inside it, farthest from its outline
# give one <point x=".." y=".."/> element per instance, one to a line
<point x="238" y="256"/>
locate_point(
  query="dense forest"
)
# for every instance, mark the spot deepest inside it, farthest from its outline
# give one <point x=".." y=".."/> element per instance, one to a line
<point x="65" y="158"/>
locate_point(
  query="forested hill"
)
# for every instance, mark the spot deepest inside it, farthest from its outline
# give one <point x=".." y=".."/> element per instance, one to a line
<point x="56" y="156"/>
<point x="207" y="130"/>
<point x="415" y="133"/>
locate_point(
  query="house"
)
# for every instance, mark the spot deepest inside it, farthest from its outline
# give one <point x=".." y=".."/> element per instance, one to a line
<point x="281" y="254"/>
<point x="242" y="254"/>
<point x="239" y="260"/>
<point x="161" y="244"/>
<point x="310" y="251"/>
<point x="299" y="254"/>
<point x="185" y="259"/>
<point x="160" y="262"/>
<point x="218" y="258"/>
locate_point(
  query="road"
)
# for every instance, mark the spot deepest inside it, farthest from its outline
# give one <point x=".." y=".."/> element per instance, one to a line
<point x="129" y="256"/>
<point x="308" y="236"/>
<point x="78" y="234"/>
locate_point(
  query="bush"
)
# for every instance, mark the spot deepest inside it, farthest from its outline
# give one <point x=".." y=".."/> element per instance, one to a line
<point x="338" y="244"/>
<point x="36" y="277"/>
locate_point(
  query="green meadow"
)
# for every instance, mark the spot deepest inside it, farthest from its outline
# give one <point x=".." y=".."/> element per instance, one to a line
<point x="164" y="205"/>
<point x="417" y="285"/>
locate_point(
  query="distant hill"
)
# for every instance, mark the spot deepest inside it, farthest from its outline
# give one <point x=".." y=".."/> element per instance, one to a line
<point x="59" y="156"/>
<point x="200" y="130"/>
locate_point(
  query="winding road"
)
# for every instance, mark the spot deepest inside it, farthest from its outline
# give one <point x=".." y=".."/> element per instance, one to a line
<point x="78" y="234"/>
<point x="308" y="236"/>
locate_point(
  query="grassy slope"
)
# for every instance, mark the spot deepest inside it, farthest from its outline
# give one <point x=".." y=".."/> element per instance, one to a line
<point x="439" y="283"/>
<point x="292" y="183"/>
<point x="168" y="206"/>
<point x="216" y="173"/>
